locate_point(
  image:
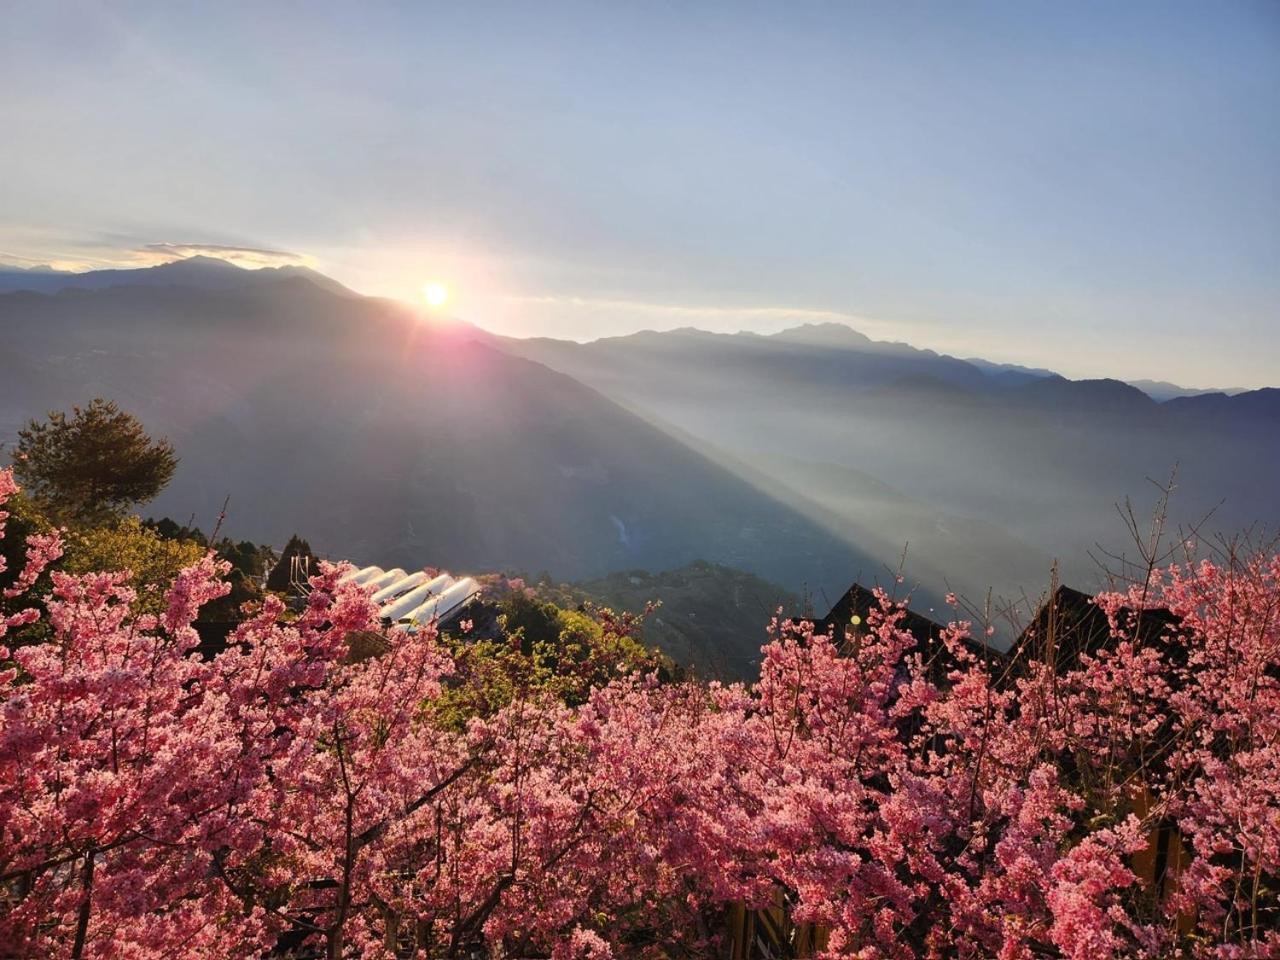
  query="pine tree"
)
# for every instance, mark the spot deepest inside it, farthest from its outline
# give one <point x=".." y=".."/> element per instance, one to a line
<point x="92" y="466"/>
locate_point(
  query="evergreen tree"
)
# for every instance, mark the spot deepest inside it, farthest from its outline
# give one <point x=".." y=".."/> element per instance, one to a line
<point x="91" y="466"/>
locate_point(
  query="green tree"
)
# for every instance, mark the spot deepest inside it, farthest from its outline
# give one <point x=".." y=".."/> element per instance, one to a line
<point x="248" y="560"/>
<point x="542" y="651"/>
<point x="152" y="560"/>
<point x="90" y="466"/>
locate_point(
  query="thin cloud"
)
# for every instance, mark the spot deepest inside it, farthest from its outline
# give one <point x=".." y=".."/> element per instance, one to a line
<point x="688" y="312"/>
<point x="18" y="260"/>
<point x="241" y="256"/>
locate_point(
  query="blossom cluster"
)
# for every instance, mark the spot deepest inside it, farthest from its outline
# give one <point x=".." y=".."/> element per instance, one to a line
<point x="296" y="791"/>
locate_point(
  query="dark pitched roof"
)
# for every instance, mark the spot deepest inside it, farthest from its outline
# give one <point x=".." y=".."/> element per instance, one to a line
<point x="1070" y="624"/>
<point x="859" y="602"/>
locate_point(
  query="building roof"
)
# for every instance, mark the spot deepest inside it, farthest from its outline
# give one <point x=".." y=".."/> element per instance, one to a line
<point x="414" y="599"/>
<point x="1069" y="624"/>
<point x="852" y="611"/>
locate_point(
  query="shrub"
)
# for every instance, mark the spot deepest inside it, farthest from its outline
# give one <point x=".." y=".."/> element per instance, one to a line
<point x="152" y="562"/>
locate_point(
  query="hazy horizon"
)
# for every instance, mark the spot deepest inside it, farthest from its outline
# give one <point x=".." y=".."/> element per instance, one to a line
<point x="1094" y="189"/>
<point x="784" y="321"/>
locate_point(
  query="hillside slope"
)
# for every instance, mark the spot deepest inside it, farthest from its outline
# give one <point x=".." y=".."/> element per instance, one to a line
<point x="381" y="437"/>
<point x="710" y="616"/>
<point x="1020" y="455"/>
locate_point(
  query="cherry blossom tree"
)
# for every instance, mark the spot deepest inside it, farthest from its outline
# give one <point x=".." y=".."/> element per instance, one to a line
<point x="313" y="787"/>
<point x="205" y="808"/>
<point x="999" y="812"/>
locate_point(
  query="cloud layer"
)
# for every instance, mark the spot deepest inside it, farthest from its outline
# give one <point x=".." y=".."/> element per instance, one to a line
<point x="241" y="256"/>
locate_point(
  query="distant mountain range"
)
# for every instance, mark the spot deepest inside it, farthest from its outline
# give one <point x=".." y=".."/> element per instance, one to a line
<point x="194" y="273"/>
<point x="1162" y="390"/>
<point x="1036" y="461"/>
<point x="379" y="437"/>
<point x="810" y="457"/>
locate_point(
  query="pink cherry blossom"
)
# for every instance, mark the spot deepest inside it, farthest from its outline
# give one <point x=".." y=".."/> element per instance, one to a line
<point x="296" y="791"/>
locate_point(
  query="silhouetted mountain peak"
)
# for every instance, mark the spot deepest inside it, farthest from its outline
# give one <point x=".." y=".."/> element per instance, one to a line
<point x="996" y="369"/>
<point x="1161" y="390"/>
<point x="1263" y="404"/>
<point x="198" y="273"/>
<point x="316" y="277"/>
<point x="39" y="269"/>
<point x="202" y="269"/>
<point x="484" y="460"/>
<point x="824" y="334"/>
<point x="199" y="265"/>
<point x="1099" y="394"/>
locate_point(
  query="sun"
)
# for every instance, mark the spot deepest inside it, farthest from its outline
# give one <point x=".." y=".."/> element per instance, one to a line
<point x="436" y="294"/>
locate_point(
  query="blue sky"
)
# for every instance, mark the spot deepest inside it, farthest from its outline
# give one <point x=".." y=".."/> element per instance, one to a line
<point x="1091" y="187"/>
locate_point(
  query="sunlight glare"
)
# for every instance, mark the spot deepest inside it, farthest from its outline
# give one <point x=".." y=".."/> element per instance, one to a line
<point x="435" y="293"/>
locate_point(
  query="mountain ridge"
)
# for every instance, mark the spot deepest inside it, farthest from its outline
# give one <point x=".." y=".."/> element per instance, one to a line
<point x="1045" y="458"/>
<point x="203" y="271"/>
<point x="286" y="394"/>
<point x="197" y="272"/>
<point x="497" y="452"/>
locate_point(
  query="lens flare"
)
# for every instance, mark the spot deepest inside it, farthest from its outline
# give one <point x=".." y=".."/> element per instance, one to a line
<point x="436" y="294"/>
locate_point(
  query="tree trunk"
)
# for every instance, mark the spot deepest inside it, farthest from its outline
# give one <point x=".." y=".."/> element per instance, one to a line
<point x="82" y="918"/>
